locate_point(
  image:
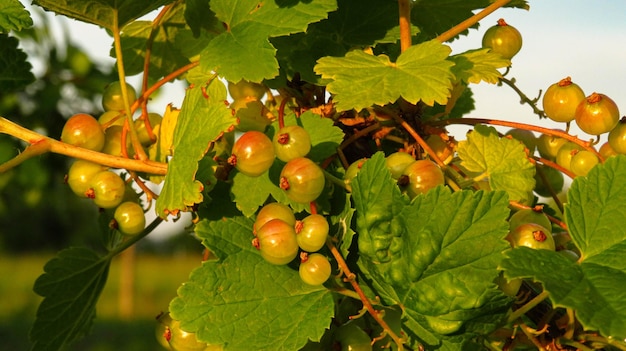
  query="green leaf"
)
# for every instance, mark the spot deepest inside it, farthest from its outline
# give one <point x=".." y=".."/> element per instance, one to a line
<point x="595" y="286"/>
<point x="13" y="16"/>
<point x="423" y="255"/>
<point x="71" y="284"/>
<point x="479" y="65"/>
<point x="250" y="25"/>
<point x="503" y="160"/>
<point x="102" y="12"/>
<point x="421" y="73"/>
<point x="234" y="300"/>
<point x="15" y="71"/>
<point x="202" y="119"/>
<point x="173" y="44"/>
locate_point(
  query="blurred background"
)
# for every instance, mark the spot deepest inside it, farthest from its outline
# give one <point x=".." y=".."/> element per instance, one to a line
<point x="39" y="215"/>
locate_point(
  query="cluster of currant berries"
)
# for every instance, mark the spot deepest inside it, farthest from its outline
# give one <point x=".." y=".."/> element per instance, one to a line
<point x="279" y="236"/>
<point x="104" y="186"/>
<point x="596" y="114"/>
<point x="413" y="176"/>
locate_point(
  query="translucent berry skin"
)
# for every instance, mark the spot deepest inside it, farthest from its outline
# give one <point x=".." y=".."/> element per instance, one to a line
<point x="112" y="98"/>
<point x="503" y="39"/>
<point x="302" y="180"/>
<point x="291" y="142"/>
<point x="246" y="90"/>
<point x="423" y="175"/>
<point x="548" y="146"/>
<point x="312" y="232"/>
<point x="352" y="171"/>
<point x="597" y="114"/>
<point x="277" y="242"/>
<point x="84" y="131"/>
<point x="617" y="137"/>
<point x="155" y="120"/>
<point x="315" y="269"/>
<point x="529" y="216"/>
<point x="274" y="210"/>
<point x="106" y="189"/>
<point x="531" y="235"/>
<point x="397" y="162"/>
<point x="561" y="100"/>
<point x="583" y="161"/>
<point x="253" y="153"/>
<point x="130" y="218"/>
<point x="80" y="174"/>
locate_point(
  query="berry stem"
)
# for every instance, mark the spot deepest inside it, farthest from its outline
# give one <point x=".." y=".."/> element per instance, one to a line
<point x="528" y="306"/>
<point x="459" y="28"/>
<point x="47" y="144"/>
<point x="404" y="8"/>
<point x="420" y="141"/>
<point x="281" y="113"/>
<point x="524" y="98"/>
<point x="351" y="278"/>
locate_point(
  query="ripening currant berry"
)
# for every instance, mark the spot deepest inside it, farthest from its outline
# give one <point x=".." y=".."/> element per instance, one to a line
<point x="529" y="216"/>
<point x="271" y="211"/>
<point x="352" y="338"/>
<point x="106" y="189"/>
<point x="351" y="172"/>
<point x="80" y="174"/>
<point x="83" y="130"/>
<point x="291" y="142"/>
<point x="155" y="120"/>
<point x="111" y="118"/>
<point x="553" y="177"/>
<point x="312" y="232"/>
<point x="397" y="162"/>
<point x="422" y="175"/>
<point x="503" y="39"/>
<point x="277" y="242"/>
<point x="617" y="137"/>
<point x="130" y="218"/>
<point x="314" y="268"/>
<point x="302" y="180"/>
<point x="245" y="90"/>
<point x="253" y="153"/>
<point x="583" y="161"/>
<point x="549" y="145"/>
<point x="524" y="136"/>
<point x="112" y="98"/>
<point x="597" y="114"/>
<point x="561" y="100"/>
<point x="564" y="156"/>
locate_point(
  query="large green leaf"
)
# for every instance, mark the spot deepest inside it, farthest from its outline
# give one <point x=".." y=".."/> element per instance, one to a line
<point x="15" y="71"/>
<point x="593" y="287"/>
<point x="436" y="256"/>
<point x="13" y="16"/>
<point x="244" y="50"/>
<point x="502" y="160"/>
<point x="102" y="12"/>
<point x="421" y="73"/>
<point x="203" y="117"/>
<point x="245" y="303"/>
<point x="71" y="284"/>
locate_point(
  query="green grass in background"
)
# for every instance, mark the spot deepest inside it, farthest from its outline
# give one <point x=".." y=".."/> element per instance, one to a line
<point x="156" y="281"/>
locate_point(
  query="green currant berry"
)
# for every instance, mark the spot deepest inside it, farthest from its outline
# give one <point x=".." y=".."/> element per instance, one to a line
<point x="277" y="242"/>
<point x="291" y="142"/>
<point x="314" y="269"/>
<point x="583" y="161"/>
<point x="155" y="120"/>
<point x="302" y="180"/>
<point x="422" y="176"/>
<point x="274" y="210"/>
<point x="80" y="174"/>
<point x="111" y="118"/>
<point x="246" y="90"/>
<point x="561" y="100"/>
<point x="597" y="114"/>
<point x="106" y="189"/>
<point x="531" y="235"/>
<point x="503" y="39"/>
<point x="443" y="149"/>
<point x="352" y="171"/>
<point x="509" y="287"/>
<point x="113" y="142"/>
<point x="253" y="153"/>
<point x="130" y="218"/>
<point x="617" y="137"/>
<point x="112" y="98"/>
<point x="548" y="146"/>
<point x="529" y="216"/>
<point x="181" y="340"/>
<point x="312" y="232"/>
<point x="352" y="338"/>
<point x="397" y="162"/>
<point x="83" y="130"/>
